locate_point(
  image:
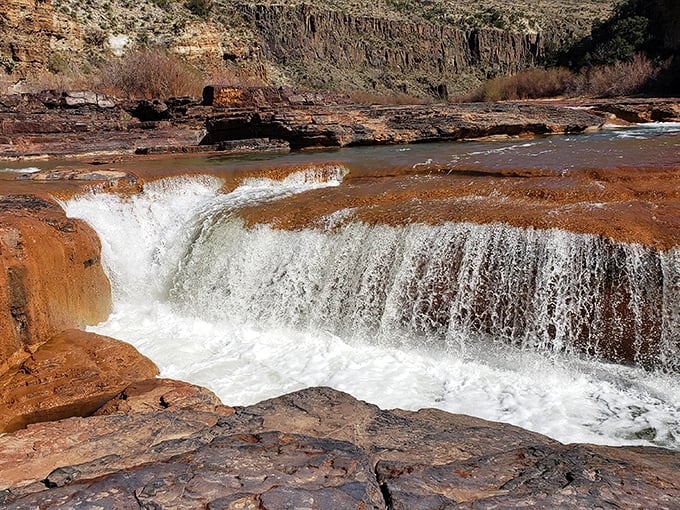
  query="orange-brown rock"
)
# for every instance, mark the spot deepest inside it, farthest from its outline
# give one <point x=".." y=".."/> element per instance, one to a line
<point x="51" y="277"/>
<point x="73" y="374"/>
<point x="26" y="27"/>
<point x="152" y="395"/>
<point x="642" y="111"/>
<point x="638" y="205"/>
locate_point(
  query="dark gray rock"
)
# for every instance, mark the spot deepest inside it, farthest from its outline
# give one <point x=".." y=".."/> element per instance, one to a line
<point x="320" y="448"/>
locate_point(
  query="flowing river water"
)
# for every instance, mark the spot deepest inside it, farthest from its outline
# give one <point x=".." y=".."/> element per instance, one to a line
<point x="508" y="323"/>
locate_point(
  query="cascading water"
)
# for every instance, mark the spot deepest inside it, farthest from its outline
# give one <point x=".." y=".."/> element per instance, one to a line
<point x="544" y="290"/>
<point x="486" y="320"/>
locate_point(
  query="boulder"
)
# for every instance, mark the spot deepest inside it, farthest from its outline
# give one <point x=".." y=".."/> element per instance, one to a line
<point x="321" y="448"/>
<point x="51" y="277"/>
<point x="73" y="374"/>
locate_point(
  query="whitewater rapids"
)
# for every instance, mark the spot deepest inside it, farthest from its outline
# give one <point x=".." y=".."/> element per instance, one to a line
<point x="486" y="320"/>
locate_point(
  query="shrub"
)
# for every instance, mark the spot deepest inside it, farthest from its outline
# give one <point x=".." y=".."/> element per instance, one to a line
<point x="7" y="64"/>
<point x="529" y="84"/>
<point x="149" y="74"/>
<point x="200" y="8"/>
<point x="619" y="79"/>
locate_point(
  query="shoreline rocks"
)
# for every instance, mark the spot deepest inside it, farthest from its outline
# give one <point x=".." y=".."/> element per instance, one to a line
<point x="321" y="448"/>
<point x="352" y="125"/>
<point x="72" y="374"/>
<point x="261" y="119"/>
<point x="51" y="276"/>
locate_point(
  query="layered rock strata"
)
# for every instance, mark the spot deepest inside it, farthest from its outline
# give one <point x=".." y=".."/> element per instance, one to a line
<point x="340" y="126"/>
<point x="85" y="123"/>
<point x="319" y="448"/>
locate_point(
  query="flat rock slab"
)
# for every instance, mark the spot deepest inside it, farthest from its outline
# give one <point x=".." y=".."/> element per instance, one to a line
<point x="263" y="471"/>
<point x="347" y="125"/>
<point x="320" y="448"/>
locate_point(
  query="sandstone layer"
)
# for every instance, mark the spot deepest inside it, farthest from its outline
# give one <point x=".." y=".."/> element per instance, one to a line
<point x="73" y="374"/>
<point x="319" y="448"/>
<point x="51" y="276"/>
<point x="640" y="205"/>
<point x="85" y="123"/>
<point x="341" y="126"/>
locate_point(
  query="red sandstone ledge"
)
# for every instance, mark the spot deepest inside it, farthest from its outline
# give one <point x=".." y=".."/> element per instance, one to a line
<point x="50" y="125"/>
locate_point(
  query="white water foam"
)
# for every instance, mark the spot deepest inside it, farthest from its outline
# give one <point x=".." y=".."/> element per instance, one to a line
<point x="255" y="313"/>
<point x="26" y="170"/>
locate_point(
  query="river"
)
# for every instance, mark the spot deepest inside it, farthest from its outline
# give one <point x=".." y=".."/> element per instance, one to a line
<point x="505" y="322"/>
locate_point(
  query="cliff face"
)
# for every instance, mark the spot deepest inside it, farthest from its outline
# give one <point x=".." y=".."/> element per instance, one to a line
<point x="345" y="45"/>
<point x="331" y="49"/>
<point x="26" y="27"/>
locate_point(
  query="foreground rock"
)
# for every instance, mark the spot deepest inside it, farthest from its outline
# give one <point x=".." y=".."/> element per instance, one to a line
<point x="72" y="374"/>
<point x="347" y="125"/>
<point x="50" y="275"/>
<point x="320" y="448"/>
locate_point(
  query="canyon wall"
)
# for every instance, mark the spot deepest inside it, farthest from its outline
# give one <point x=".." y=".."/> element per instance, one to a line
<point x="295" y="44"/>
<point x="332" y="49"/>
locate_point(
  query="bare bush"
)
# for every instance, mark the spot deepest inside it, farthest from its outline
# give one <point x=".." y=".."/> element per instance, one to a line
<point x="620" y="79"/>
<point x="149" y="74"/>
<point x="529" y="84"/>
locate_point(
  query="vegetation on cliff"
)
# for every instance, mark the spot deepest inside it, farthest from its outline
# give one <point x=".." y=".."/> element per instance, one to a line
<point x="389" y="48"/>
<point x="634" y="50"/>
<point x="432" y="48"/>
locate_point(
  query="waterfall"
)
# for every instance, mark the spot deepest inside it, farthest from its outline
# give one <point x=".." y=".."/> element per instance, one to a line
<point x="461" y="316"/>
<point x="452" y="283"/>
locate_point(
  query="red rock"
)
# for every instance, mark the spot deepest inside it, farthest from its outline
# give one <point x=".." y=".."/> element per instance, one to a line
<point x="73" y="374"/>
<point x="152" y="395"/>
<point x="50" y="275"/>
<point x="320" y="448"/>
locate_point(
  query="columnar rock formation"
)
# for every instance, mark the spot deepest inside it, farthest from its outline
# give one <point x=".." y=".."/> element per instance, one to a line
<point x="384" y="48"/>
<point x="332" y="49"/>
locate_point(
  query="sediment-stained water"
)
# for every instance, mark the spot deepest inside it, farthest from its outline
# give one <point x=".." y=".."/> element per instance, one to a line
<point x="503" y="322"/>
